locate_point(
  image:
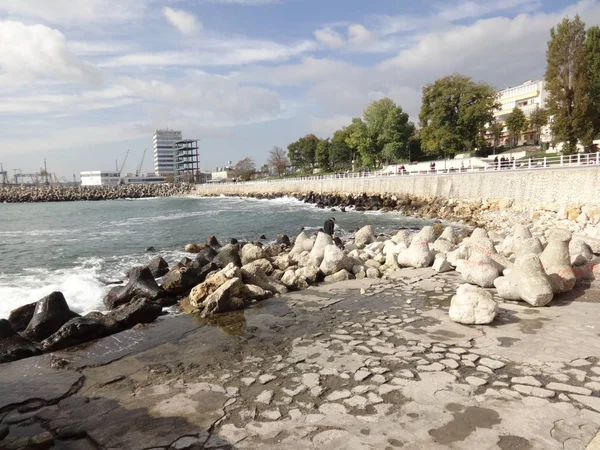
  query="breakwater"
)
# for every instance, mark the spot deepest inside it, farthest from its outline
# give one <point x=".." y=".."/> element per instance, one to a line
<point x="528" y="188"/>
<point x="34" y="194"/>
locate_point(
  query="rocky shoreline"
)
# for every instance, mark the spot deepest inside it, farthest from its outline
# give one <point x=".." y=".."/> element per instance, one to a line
<point x="41" y="194"/>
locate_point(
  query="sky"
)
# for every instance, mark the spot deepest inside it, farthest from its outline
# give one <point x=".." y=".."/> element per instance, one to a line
<point x="82" y="82"/>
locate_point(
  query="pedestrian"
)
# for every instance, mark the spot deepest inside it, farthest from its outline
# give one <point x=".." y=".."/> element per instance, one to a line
<point x="329" y="225"/>
<point x="496" y="163"/>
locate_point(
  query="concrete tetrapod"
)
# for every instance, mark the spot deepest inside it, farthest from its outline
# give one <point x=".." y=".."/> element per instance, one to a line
<point x="480" y="269"/>
<point x="527" y="281"/>
<point x="557" y="262"/>
<point x="472" y="306"/>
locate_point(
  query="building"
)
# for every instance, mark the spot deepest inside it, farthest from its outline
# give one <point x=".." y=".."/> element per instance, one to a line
<point x="99" y="178"/>
<point x="163" y="144"/>
<point x="528" y="97"/>
<point x="148" y="179"/>
<point x="186" y="161"/>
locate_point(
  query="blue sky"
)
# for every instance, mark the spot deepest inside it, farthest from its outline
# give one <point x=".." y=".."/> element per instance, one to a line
<point x="81" y="82"/>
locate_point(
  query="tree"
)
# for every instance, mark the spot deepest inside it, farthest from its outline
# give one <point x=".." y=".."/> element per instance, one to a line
<point x="454" y="111"/>
<point x="592" y="50"/>
<point x="244" y="169"/>
<point x="496" y="129"/>
<point x="567" y="83"/>
<point x="278" y="160"/>
<point x="538" y="119"/>
<point x="302" y="153"/>
<point x="516" y="123"/>
<point x="340" y="154"/>
<point x="383" y="134"/>
<point x="322" y="154"/>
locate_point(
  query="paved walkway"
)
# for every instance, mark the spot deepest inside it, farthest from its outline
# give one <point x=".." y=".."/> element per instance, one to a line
<point x="367" y="364"/>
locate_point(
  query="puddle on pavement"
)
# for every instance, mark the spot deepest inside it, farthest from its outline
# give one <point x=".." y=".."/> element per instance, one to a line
<point x="464" y="423"/>
<point x="507" y="341"/>
<point x="514" y="443"/>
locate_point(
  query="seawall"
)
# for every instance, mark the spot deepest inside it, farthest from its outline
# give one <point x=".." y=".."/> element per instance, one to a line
<point x="527" y="188"/>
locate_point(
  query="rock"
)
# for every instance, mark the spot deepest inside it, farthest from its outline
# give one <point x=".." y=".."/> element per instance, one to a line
<point x="200" y="292"/>
<point x="111" y="325"/>
<point x="184" y="262"/>
<point x="158" y="267"/>
<point x="262" y="265"/>
<point x="417" y="255"/>
<point x="228" y="254"/>
<point x="480" y="269"/>
<point x="364" y="236"/>
<point x="141" y="310"/>
<point x="181" y="280"/>
<point x="19" y="318"/>
<point x="527" y="281"/>
<point x="74" y="332"/>
<point x="51" y="313"/>
<point x="580" y="253"/>
<point x="472" y="306"/>
<point x="461" y="253"/>
<point x="205" y="256"/>
<point x="283" y="261"/>
<point x="283" y="239"/>
<point x="12" y="346"/>
<point x="194" y="248"/>
<point x="251" y="253"/>
<point x="211" y="241"/>
<point x="141" y="283"/>
<point x="293" y="281"/>
<point x="231" y="296"/>
<point x="318" y="251"/>
<point x="273" y="250"/>
<point x="257" y="293"/>
<point x="372" y="272"/>
<point x="259" y="278"/>
<point x="527" y="246"/>
<point x="426" y="234"/>
<point x="299" y="244"/>
<point x="150" y="249"/>
<point x="402" y="237"/>
<point x="334" y="260"/>
<point x="449" y="235"/>
<point x="441" y="265"/>
<point x="557" y="262"/>
<point x="443" y="246"/>
<point x="311" y="274"/>
<point x="521" y="232"/>
<point x="262" y="237"/>
<point x="342" y="275"/>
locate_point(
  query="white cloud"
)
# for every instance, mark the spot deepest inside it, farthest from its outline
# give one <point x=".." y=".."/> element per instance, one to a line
<point x="329" y="37"/>
<point x="185" y="22"/>
<point x="325" y="126"/>
<point x="30" y="51"/>
<point x="358" y="34"/>
<point x="71" y="11"/>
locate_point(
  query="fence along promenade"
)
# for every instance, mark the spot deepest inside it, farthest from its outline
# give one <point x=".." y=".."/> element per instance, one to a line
<point x="547" y="162"/>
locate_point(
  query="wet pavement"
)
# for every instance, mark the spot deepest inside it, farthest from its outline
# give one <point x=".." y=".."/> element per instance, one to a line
<point x="363" y="364"/>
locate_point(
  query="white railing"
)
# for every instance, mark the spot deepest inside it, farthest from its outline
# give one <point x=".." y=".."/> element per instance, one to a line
<point x="547" y="162"/>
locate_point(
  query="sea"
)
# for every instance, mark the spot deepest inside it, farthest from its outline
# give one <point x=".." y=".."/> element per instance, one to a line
<point x="79" y="247"/>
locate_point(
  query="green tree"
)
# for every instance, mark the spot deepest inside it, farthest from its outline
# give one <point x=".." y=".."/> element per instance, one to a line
<point x="567" y="83"/>
<point x="322" y="154"/>
<point x="302" y="153"/>
<point x="455" y="110"/>
<point x="538" y="119"/>
<point x="497" y="130"/>
<point x="516" y="123"/>
<point x="592" y="50"/>
<point x="340" y="153"/>
<point x="358" y="139"/>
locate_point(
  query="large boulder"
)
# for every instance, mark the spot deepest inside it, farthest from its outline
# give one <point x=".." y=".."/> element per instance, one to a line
<point x="283" y="239"/>
<point x="228" y="254"/>
<point x="580" y="252"/>
<point x="311" y="274"/>
<point x="441" y="265"/>
<point x="231" y="296"/>
<point x="263" y="265"/>
<point x="557" y="262"/>
<point x="51" y="313"/>
<point x="274" y="250"/>
<point x="342" y="275"/>
<point x="283" y="261"/>
<point x="182" y="279"/>
<point x="199" y="293"/>
<point x="426" y="234"/>
<point x="480" y="269"/>
<point x="19" y="318"/>
<point x="417" y="255"/>
<point x="257" y="293"/>
<point x="364" y="236"/>
<point x="212" y="241"/>
<point x="74" y="332"/>
<point x="251" y="253"/>
<point x="472" y="306"/>
<point x="293" y="281"/>
<point x="259" y="278"/>
<point x="158" y="267"/>
<point x="194" y="248"/>
<point x="449" y="235"/>
<point x="141" y="310"/>
<point x="402" y="237"/>
<point x="205" y="256"/>
<point x="13" y="346"/>
<point x="318" y="251"/>
<point x="334" y="260"/>
<point x="110" y="324"/>
<point x="527" y="246"/>
<point x="141" y="283"/>
<point x="300" y="243"/>
<point x="526" y="281"/>
<point x="443" y="246"/>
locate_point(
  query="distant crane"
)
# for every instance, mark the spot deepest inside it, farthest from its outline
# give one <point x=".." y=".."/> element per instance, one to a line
<point x="120" y="170"/>
<point x="139" y="169"/>
<point x="3" y="174"/>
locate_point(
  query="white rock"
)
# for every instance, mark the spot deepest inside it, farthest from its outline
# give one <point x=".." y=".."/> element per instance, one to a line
<point x="364" y="236"/>
<point x="441" y="265"/>
<point x="250" y="253"/>
<point x="557" y="262"/>
<point x="334" y="260"/>
<point x="299" y="244"/>
<point x="472" y="306"/>
<point x="527" y="281"/>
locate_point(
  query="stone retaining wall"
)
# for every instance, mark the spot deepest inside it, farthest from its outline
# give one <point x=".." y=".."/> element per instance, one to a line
<point x="526" y="188"/>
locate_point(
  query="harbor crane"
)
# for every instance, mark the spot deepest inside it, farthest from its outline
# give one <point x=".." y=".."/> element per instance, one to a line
<point x="3" y="175"/>
<point x="120" y="170"/>
<point x="139" y="169"/>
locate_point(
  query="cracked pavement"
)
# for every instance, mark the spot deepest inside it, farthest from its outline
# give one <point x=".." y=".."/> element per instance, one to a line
<point x="362" y="364"/>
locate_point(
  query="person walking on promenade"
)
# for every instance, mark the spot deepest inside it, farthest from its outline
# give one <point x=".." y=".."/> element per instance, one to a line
<point x="329" y="225"/>
<point x="496" y="162"/>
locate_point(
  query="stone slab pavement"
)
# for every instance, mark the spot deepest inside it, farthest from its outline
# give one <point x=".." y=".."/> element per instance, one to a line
<point x="365" y="364"/>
